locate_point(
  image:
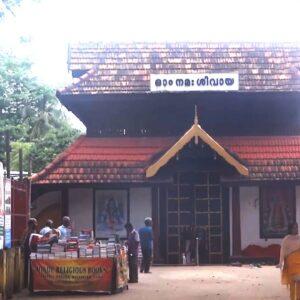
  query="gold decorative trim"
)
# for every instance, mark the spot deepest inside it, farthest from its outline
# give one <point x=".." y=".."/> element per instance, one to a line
<point x="196" y="132"/>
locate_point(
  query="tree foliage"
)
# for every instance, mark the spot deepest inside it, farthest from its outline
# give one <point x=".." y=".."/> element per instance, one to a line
<point x="32" y="114"/>
<point x="8" y="6"/>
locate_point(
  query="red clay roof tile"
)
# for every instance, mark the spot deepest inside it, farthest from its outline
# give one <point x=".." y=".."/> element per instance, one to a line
<point x="124" y="159"/>
<point x="126" y="68"/>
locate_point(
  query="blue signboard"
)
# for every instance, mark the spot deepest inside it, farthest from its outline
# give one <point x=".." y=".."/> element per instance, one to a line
<point x="7" y="238"/>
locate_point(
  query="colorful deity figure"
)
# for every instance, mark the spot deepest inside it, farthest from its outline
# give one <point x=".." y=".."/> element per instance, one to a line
<point x="278" y="216"/>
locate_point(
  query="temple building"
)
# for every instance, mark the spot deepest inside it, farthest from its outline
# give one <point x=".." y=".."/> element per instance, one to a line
<point x="187" y="133"/>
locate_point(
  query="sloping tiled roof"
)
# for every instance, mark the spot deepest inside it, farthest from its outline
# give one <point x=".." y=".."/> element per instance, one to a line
<point x="125" y="159"/>
<point x="92" y="160"/>
<point x="126" y="68"/>
<point x="267" y="157"/>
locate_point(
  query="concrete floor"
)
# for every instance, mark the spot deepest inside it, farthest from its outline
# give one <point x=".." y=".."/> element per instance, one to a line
<point x="205" y="282"/>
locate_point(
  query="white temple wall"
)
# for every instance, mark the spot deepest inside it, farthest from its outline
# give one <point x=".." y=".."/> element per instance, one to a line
<point x="81" y="208"/>
<point x="140" y="205"/>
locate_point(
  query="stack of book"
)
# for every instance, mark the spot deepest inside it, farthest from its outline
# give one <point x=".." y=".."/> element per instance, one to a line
<point x="72" y="244"/>
<point x="88" y="251"/>
<point x="111" y="249"/>
<point x="58" y="250"/>
<point x="82" y="251"/>
<point x="59" y="255"/>
<point x="96" y="251"/>
<point x="83" y="240"/>
<point x="71" y="254"/>
<point x="103" y="250"/>
<point x="39" y="256"/>
<point x="43" y="248"/>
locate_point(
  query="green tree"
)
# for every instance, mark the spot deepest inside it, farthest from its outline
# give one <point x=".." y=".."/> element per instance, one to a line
<point x="32" y="114"/>
<point x="26" y="148"/>
<point x="48" y="147"/>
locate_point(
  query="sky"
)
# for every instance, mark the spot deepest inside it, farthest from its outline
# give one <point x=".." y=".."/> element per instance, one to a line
<point x="42" y="29"/>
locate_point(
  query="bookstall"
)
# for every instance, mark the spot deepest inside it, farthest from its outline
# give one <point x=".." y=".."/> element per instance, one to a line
<point x="79" y="264"/>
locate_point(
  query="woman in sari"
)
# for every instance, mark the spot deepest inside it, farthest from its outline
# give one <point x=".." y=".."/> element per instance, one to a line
<point x="290" y="260"/>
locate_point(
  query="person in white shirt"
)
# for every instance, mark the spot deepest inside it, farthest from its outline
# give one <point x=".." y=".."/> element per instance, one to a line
<point x="48" y="228"/>
<point x="65" y="228"/>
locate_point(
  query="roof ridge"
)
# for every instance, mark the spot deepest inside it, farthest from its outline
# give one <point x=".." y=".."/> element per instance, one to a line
<point x="162" y="44"/>
<point x="57" y="160"/>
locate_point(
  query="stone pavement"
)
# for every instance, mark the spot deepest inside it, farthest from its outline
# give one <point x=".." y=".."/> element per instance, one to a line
<point x="204" y="282"/>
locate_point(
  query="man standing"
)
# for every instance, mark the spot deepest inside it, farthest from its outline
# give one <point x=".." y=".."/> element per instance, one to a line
<point x="48" y="227"/>
<point x="65" y="228"/>
<point x="133" y="246"/>
<point x="146" y="237"/>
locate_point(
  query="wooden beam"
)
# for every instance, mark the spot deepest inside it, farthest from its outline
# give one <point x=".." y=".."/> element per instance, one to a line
<point x="236" y="222"/>
<point x="155" y="222"/>
<point x="196" y="132"/>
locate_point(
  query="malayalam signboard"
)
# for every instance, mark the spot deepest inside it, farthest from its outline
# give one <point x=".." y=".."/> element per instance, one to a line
<point x="7" y="213"/>
<point x="64" y="275"/>
<point x="194" y="82"/>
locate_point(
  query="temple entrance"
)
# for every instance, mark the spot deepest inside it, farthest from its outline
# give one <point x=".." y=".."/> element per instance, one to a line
<point x="194" y="203"/>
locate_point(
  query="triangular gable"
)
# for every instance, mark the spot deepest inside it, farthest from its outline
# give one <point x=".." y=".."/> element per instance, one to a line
<point x="196" y="132"/>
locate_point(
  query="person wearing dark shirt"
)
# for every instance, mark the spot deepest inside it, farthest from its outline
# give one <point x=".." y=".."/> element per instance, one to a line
<point x="146" y="237"/>
<point x="25" y="244"/>
<point x="133" y="242"/>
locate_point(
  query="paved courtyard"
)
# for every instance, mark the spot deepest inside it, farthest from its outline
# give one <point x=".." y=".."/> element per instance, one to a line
<point x="205" y="282"/>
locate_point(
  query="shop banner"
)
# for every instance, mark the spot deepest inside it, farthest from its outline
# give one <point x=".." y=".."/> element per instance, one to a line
<point x="85" y="275"/>
<point x="1" y="206"/>
<point x="7" y="213"/>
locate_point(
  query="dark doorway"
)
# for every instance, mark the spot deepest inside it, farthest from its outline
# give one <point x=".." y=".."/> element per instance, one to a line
<point x="194" y="199"/>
